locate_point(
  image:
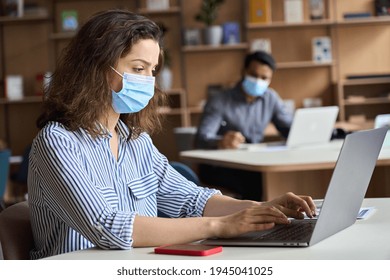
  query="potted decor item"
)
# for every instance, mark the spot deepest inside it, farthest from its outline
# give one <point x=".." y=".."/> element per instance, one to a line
<point x="207" y="15"/>
<point x="164" y="78"/>
<point x="165" y="75"/>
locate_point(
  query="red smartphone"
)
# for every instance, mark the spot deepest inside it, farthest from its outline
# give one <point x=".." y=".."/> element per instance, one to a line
<point x="188" y="249"/>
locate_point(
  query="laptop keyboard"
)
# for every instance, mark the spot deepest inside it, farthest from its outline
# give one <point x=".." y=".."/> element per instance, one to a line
<point x="294" y="231"/>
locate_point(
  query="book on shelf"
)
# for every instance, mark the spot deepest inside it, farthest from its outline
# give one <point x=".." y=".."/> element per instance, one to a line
<point x="322" y="49"/>
<point x="157" y="5"/>
<point x="42" y="81"/>
<point x="259" y="11"/>
<point x="69" y="20"/>
<point x="13" y="8"/>
<point x="382" y="7"/>
<point x="317" y="9"/>
<point x="357" y="15"/>
<point x="33" y="9"/>
<point x="231" y="33"/>
<point x="14" y="87"/>
<point x="293" y="11"/>
<point x="192" y="37"/>
<point x="367" y="76"/>
<point x="261" y="44"/>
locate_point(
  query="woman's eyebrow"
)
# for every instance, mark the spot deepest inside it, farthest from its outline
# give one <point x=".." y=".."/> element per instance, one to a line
<point x="141" y="60"/>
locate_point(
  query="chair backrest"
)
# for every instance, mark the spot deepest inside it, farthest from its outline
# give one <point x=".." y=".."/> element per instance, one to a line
<point x="186" y="171"/>
<point x="21" y="175"/>
<point x="184" y="137"/>
<point x="16" y="238"/>
<point x="4" y="171"/>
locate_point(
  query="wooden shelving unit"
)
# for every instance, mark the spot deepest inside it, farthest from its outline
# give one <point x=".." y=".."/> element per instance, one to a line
<point x="23" y="19"/>
<point x="366" y="97"/>
<point x="282" y="24"/>
<point x="206" y="48"/>
<point x="32" y="44"/>
<point x="24" y="49"/>
<point x="27" y="99"/>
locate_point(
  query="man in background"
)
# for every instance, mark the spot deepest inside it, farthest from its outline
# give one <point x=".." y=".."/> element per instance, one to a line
<point x="240" y="115"/>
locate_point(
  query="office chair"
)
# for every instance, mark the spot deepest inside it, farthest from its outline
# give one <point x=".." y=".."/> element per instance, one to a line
<point x="4" y="172"/>
<point x="184" y="137"/>
<point x="21" y="175"/>
<point x="186" y="171"/>
<point x="16" y="238"/>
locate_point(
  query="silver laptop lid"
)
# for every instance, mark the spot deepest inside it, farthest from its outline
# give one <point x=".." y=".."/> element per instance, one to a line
<point x="349" y="182"/>
<point x="312" y="126"/>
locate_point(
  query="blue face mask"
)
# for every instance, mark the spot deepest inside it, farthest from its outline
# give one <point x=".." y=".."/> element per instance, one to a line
<point x="135" y="94"/>
<point x="254" y="87"/>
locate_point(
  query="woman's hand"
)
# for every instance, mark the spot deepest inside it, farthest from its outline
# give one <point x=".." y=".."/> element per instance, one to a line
<point x="255" y="218"/>
<point x="294" y="205"/>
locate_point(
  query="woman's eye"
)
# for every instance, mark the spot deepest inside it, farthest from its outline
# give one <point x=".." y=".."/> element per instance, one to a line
<point x="138" y="69"/>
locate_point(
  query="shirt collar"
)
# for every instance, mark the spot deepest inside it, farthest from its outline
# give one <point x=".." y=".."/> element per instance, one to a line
<point x="123" y="132"/>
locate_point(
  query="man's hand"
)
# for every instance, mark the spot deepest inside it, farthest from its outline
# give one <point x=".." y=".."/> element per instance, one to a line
<point x="231" y="140"/>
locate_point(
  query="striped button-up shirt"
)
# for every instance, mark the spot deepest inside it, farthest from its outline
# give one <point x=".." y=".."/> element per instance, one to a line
<point x="80" y="196"/>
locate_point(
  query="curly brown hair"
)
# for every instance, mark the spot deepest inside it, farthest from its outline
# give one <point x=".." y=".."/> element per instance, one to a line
<point x="79" y="90"/>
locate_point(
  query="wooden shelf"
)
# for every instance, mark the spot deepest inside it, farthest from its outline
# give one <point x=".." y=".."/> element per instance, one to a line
<point x="27" y="99"/>
<point x="364" y="21"/>
<point x="62" y="35"/>
<point x="175" y="91"/>
<point x="195" y="110"/>
<point x="367" y="101"/>
<point x="365" y="81"/>
<point x="10" y="20"/>
<point x="171" y="111"/>
<point x="281" y="24"/>
<point x="303" y="64"/>
<point x="207" y="48"/>
<point x="318" y="23"/>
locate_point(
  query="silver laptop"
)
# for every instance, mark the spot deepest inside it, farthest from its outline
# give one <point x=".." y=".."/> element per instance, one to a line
<point x="342" y="202"/>
<point x="312" y="126"/>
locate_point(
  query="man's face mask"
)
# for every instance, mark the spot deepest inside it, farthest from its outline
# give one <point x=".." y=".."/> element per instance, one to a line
<point x="135" y="94"/>
<point x="253" y="86"/>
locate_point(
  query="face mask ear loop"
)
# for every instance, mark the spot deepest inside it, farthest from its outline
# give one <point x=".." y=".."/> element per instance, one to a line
<point x="116" y="71"/>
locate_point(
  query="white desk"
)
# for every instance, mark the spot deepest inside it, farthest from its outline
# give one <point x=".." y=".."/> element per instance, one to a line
<point x="303" y="171"/>
<point x="353" y="243"/>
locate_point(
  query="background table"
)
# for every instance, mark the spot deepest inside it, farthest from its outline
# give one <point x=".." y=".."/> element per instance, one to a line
<point x="302" y="170"/>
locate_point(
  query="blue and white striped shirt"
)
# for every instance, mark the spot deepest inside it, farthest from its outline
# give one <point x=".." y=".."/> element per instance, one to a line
<point x="80" y="196"/>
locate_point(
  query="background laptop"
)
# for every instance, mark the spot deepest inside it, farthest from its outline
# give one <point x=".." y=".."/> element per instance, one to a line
<point x="312" y="126"/>
<point x="384" y="120"/>
<point x="343" y="199"/>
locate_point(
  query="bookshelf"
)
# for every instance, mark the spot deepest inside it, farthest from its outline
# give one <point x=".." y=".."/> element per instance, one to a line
<point x="362" y="51"/>
<point x="24" y="49"/>
<point x="31" y="45"/>
<point x="363" y="97"/>
<point x="358" y="47"/>
<point x="297" y="76"/>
